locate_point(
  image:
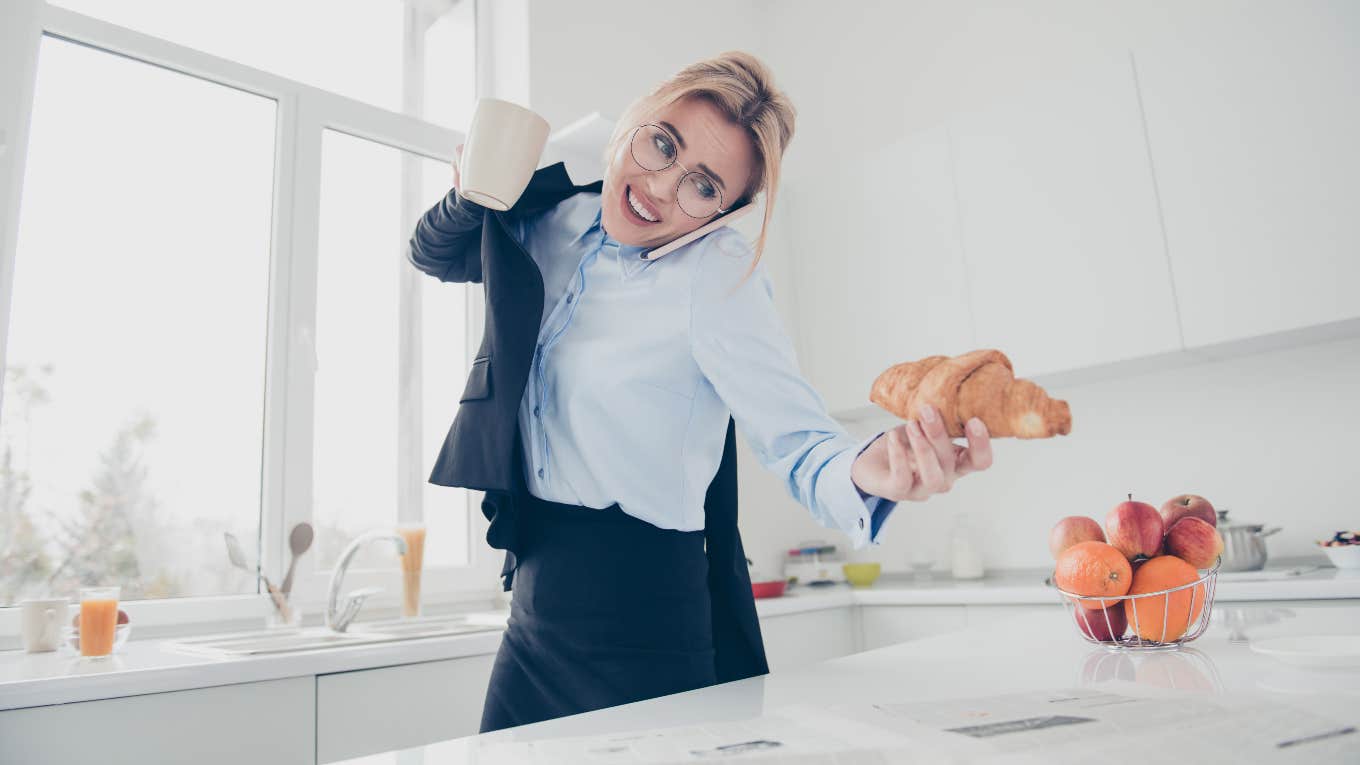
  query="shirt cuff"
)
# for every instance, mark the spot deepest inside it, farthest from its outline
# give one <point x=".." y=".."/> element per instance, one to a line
<point x="859" y="514"/>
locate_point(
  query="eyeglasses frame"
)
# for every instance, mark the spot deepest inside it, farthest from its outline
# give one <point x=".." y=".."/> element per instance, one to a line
<point x="675" y="161"/>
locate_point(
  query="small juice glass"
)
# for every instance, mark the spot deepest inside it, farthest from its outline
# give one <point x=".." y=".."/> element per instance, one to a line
<point x="98" y="620"/>
<point x="411" y="563"/>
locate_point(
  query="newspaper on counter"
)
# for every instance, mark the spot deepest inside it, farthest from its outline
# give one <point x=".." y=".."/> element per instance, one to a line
<point x="1131" y="725"/>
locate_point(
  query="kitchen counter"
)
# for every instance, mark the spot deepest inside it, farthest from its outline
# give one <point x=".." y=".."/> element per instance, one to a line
<point x="148" y="666"/>
<point x="1036" y="651"/>
<point x="1027" y="587"/>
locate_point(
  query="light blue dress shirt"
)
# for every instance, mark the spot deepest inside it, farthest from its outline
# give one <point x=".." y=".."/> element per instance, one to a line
<point x="639" y="363"/>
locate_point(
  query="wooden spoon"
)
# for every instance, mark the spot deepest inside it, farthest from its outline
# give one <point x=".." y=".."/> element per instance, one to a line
<point x="299" y="541"/>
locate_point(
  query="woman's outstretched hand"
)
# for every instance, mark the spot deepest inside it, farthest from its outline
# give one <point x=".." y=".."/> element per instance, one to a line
<point x="917" y="459"/>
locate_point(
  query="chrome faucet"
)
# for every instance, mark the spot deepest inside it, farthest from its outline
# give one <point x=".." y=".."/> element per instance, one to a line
<point x="338" y="619"/>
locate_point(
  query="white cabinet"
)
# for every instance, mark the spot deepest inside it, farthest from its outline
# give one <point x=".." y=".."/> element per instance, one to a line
<point x="880" y="275"/>
<point x="886" y="625"/>
<point x="1254" y="138"/>
<point x="792" y="640"/>
<point x="376" y="710"/>
<point x="270" y="721"/>
<point x="1065" y="258"/>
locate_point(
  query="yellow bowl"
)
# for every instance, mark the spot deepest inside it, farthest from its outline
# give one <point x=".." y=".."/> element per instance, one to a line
<point x="862" y="574"/>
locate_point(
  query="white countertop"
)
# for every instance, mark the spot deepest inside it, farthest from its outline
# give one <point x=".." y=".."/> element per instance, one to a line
<point x="148" y="666"/>
<point x="1029" y="652"/>
<point x="1027" y="587"/>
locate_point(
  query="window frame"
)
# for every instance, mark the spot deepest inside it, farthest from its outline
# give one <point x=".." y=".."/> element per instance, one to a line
<point x="303" y="113"/>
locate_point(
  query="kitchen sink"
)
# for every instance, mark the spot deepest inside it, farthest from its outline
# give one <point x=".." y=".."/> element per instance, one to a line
<point x="313" y="638"/>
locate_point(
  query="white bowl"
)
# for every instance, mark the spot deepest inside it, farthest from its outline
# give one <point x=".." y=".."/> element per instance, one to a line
<point x="1345" y="556"/>
<point x="1327" y="651"/>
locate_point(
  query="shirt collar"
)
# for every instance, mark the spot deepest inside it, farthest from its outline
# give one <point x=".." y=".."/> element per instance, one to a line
<point x="629" y="256"/>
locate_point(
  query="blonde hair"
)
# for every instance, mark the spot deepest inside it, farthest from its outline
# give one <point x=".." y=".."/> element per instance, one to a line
<point x="742" y="88"/>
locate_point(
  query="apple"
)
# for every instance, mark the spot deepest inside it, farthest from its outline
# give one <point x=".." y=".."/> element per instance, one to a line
<point x="1135" y="528"/>
<point x="1071" y="530"/>
<point x="1194" y="541"/>
<point x="1094" y="624"/>
<point x="1188" y="505"/>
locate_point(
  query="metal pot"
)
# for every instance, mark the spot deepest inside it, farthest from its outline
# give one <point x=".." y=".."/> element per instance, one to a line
<point x="1244" y="544"/>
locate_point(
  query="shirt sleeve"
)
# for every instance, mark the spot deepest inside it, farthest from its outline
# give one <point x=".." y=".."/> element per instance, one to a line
<point x="740" y="345"/>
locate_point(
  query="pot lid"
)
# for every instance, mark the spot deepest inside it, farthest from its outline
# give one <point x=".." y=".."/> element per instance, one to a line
<point x="1223" y="523"/>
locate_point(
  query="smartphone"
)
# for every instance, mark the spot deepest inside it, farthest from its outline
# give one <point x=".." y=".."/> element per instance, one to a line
<point x="721" y="220"/>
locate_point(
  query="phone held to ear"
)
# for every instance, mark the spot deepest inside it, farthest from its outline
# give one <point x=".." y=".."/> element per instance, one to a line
<point x="721" y="220"/>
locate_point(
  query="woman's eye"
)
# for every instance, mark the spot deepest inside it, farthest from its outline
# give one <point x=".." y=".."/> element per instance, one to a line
<point x="664" y="146"/>
<point x="706" y="188"/>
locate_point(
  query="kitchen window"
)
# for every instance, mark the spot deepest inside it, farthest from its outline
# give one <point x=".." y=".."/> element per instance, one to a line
<point x="211" y="325"/>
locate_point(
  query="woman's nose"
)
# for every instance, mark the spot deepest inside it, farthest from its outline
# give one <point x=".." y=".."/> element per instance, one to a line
<point x="663" y="183"/>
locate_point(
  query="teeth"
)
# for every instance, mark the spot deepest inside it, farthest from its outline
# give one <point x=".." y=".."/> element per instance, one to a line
<point x="638" y="208"/>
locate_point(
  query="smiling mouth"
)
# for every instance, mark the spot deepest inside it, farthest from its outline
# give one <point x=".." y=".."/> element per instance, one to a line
<point x="628" y="207"/>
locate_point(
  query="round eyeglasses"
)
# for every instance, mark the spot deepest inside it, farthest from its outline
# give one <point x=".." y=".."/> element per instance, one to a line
<point x="653" y="148"/>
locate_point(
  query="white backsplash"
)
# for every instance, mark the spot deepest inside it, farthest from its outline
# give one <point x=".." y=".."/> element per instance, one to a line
<point x="1269" y="436"/>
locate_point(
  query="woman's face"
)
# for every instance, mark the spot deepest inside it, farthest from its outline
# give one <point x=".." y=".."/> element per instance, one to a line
<point x="706" y="142"/>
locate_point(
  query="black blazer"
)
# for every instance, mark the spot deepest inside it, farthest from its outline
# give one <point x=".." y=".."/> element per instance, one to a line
<point x="460" y="241"/>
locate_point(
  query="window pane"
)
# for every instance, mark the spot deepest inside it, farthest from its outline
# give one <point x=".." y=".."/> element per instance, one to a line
<point x="451" y="68"/>
<point x="353" y="48"/>
<point x="444" y="341"/>
<point x="132" y="417"/>
<point x="361" y="259"/>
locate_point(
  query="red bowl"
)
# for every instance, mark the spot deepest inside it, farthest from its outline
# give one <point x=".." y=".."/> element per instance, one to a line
<point x="772" y="589"/>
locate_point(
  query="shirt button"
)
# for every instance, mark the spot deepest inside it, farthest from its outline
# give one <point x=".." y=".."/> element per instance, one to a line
<point x="535" y="411"/>
<point x="540" y="472"/>
<point x="861" y="523"/>
<point x="570" y="297"/>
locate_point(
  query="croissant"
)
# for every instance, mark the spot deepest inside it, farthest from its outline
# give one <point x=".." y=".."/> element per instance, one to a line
<point x="978" y="384"/>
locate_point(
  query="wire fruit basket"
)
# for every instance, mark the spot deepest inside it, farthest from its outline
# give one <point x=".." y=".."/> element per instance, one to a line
<point x="1135" y="625"/>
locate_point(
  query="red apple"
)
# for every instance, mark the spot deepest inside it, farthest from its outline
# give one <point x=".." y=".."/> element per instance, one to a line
<point x="1135" y="528"/>
<point x="1071" y="530"/>
<point x="1188" y="505"/>
<point x="1094" y="624"/>
<point x="1195" y="542"/>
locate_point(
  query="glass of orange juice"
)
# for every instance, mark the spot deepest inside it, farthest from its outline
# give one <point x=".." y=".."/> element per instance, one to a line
<point x="411" y="562"/>
<point x="98" y="620"/>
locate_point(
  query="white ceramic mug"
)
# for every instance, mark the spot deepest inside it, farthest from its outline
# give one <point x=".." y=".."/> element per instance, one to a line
<point x="501" y="153"/>
<point x="40" y="623"/>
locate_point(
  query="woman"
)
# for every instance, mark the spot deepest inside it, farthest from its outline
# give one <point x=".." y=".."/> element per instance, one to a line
<point x="619" y="514"/>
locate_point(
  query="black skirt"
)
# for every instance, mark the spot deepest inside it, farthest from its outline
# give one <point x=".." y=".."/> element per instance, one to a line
<point x="607" y="609"/>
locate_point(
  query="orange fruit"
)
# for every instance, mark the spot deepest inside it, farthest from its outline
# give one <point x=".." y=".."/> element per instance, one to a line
<point x="1093" y="569"/>
<point x="1164" y="618"/>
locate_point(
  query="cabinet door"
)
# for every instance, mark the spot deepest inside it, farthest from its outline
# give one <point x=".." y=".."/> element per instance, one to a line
<point x="376" y="710"/>
<point x="1065" y="258"/>
<point x="880" y="277"/>
<point x="1254" y="132"/>
<point x="888" y="625"/>
<point x="792" y="640"/>
<point x="272" y="721"/>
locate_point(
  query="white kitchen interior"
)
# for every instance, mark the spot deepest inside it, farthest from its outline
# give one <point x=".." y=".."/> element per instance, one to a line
<point x="1150" y="207"/>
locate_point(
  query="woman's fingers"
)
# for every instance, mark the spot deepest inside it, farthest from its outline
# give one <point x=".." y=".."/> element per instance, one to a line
<point x="933" y="427"/>
<point x="927" y="461"/>
<point x="899" y="461"/>
<point x="457" y="158"/>
<point x="978" y="454"/>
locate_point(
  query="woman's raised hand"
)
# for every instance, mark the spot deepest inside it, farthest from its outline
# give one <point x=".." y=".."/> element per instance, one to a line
<point x="917" y="459"/>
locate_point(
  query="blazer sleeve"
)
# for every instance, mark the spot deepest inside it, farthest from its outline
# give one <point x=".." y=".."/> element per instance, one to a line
<point x="447" y="240"/>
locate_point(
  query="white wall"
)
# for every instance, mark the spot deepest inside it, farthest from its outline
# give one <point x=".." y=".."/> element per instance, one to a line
<point x="1267" y="436"/>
